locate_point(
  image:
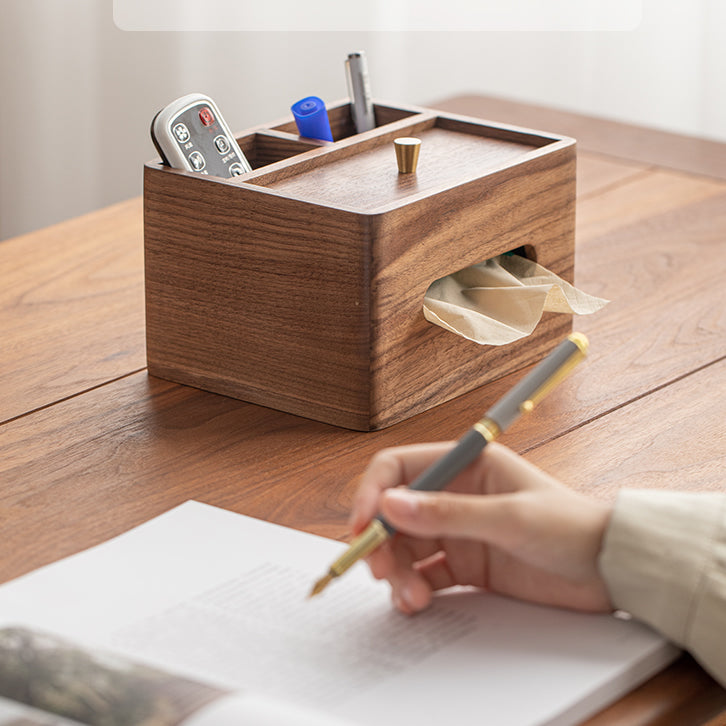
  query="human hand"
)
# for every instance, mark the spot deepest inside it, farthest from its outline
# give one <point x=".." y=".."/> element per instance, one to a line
<point x="502" y="525"/>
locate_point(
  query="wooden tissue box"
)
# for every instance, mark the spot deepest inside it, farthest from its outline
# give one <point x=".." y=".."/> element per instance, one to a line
<point x="300" y="285"/>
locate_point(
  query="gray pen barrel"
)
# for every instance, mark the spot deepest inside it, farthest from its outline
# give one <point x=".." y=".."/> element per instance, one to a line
<point x="509" y="408"/>
<point x="520" y="399"/>
<point x="441" y="473"/>
<point x="502" y="414"/>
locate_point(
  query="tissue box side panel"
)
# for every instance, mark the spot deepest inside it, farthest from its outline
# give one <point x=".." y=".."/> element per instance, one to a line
<point x="258" y="297"/>
<point x="417" y="364"/>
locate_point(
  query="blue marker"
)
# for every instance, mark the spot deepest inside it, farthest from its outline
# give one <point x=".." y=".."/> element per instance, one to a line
<point x="311" y="118"/>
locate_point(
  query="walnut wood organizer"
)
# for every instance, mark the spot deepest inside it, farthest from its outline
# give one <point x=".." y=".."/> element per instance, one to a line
<point x="299" y="286"/>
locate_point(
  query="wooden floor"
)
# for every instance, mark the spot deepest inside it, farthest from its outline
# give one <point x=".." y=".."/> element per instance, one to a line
<point x="90" y="445"/>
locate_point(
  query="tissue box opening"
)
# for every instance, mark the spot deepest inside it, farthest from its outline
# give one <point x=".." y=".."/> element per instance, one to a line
<point x="501" y="300"/>
<point x="528" y="252"/>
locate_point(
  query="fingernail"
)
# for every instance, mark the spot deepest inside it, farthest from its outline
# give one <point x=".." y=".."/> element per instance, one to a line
<point x="406" y="596"/>
<point x="404" y="503"/>
<point x="402" y="601"/>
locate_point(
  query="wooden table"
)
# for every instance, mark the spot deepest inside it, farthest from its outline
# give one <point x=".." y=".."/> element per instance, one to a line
<point x="90" y="445"/>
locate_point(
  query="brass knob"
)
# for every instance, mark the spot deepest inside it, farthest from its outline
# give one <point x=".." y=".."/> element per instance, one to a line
<point x="407" y="150"/>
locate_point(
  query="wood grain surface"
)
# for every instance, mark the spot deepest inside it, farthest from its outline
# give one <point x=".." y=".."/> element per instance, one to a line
<point x="370" y="181"/>
<point x="71" y="304"/>
<point x="41" y="338"/>
<point x="306" y="294"/>
<point x="91" y="445"/>
<point x="602" y="136"/>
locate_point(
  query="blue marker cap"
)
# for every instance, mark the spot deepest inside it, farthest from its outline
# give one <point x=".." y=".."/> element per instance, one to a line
<point x="311" y="118"/>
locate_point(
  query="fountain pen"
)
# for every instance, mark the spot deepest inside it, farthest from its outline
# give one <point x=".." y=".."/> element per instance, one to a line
<point x="521" y="399"/>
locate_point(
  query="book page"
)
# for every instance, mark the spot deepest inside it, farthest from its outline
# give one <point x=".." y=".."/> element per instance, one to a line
<point x="223" y="598"/>
<point x="272" y="640"/>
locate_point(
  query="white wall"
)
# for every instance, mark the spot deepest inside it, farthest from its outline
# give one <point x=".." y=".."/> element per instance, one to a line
<point x="78" y="94"/>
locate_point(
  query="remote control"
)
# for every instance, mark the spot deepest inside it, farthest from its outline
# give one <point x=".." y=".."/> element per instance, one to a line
<point x="190" y="133"/>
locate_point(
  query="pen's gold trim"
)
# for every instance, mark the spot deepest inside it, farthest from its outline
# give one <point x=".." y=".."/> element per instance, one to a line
<point x="374" y="535"/>
<point x="526" y="406"/>
<point x="560" y="374"/>
<point x="487" y="428"/>
<point x="581" y="341"/>
<point x="320" y="585"/>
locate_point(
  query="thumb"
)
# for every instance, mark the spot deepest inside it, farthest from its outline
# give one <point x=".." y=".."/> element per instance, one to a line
<point x="487" y="518"/>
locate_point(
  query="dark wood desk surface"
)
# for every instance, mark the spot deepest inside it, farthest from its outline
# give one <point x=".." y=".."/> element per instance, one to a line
<point x="90" y="445"/>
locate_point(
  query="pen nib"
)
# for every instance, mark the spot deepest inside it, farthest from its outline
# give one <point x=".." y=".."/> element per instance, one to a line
<point x="320" y="585"/>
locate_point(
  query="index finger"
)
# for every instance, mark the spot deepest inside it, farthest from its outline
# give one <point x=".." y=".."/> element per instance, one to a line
<point x="390" y="468"/>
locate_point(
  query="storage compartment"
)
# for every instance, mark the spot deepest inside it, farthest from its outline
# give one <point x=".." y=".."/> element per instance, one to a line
<point x="262" y="149"/>
<point x="341" y="119"/>
<point x="300" y="285"/>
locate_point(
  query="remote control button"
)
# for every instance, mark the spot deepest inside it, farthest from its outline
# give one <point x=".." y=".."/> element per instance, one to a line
<point x="205" y="116"/>
<point x="236" y="169"/>
<point x="197" y="161"/>
<point x="181" y="132"/>
<point x="222" y="144"/>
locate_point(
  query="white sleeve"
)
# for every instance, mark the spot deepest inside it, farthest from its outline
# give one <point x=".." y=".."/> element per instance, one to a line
<point x="664" y="561"/>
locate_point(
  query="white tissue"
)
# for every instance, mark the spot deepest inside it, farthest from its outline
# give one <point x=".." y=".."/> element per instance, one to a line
<point x="502" y="300"/>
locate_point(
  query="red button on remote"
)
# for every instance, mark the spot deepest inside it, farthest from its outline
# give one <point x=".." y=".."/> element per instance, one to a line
<point x="206" y="116"/>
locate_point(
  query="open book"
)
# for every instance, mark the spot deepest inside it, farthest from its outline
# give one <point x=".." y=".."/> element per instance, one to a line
<point x="201" y="616"/>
